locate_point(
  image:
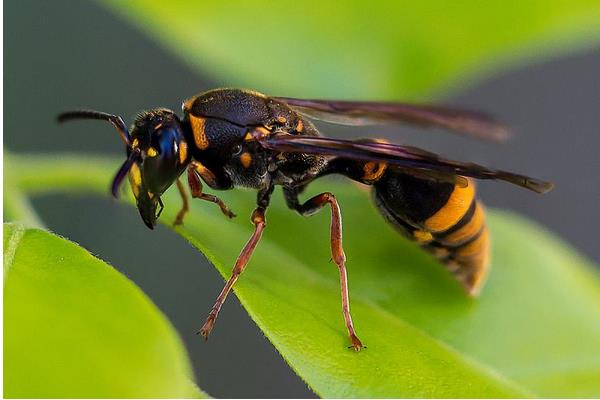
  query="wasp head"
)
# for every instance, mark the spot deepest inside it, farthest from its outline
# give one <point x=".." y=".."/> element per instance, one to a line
<point x="157" y="154"/>
<point x="160" y="151"/>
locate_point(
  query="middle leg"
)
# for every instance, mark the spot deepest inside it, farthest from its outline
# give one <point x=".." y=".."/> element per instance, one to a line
<point x="194" y="172"/>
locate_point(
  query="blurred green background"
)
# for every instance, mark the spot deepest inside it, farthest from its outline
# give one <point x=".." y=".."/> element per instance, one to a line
<point x="62" y="54"/>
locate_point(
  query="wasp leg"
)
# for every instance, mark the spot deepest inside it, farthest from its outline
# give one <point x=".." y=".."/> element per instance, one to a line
<point x="185" y="207"/>
<point x="310" y="207"/>
<point x="196" y="187"/>
<point x="259" y="221"/>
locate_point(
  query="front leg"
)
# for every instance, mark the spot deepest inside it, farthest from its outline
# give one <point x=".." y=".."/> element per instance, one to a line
<point x="259" y="221"/>
<point x="185" y="206"/>
<point x="194" y="172"/>
<point x="311" y="207"/>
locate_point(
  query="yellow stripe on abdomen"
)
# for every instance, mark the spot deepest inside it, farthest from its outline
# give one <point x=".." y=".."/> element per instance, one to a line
<point x="468" y="230"/>
<point x="455" y="208"/>
<point x="474" y="260"/>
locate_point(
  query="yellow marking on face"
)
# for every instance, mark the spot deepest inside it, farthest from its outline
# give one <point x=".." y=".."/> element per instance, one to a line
<point x="281" y="119"/>
<point x="183" y="151"/>
<point x="135" y="143"/>
<point x="373" y="171"/>
<point x="455" y="208"/>
<point x="472" y="228"/>
<point x="198" y="125"/>
<point x="248" y="137"/>
<point x="150" y="194"/>
<point x="422" y="236"/>
<point x="151" y="152"/>
<point x="246" y="159"/>
<point x="300" y="126"/>
<point x="135" y="180"/>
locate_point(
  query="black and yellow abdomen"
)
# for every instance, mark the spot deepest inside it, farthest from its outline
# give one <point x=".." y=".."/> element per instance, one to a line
<point x="445" y="219"/>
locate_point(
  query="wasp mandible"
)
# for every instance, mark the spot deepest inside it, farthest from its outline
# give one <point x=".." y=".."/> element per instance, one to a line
<point x="232" y="137"/>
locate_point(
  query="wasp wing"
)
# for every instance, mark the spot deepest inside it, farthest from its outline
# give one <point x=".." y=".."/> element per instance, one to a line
<point x="472" y="123"/>
<point x="412" y="160"/>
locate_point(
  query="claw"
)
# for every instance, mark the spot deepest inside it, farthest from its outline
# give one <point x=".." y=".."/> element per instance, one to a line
<point x="230" y="214"/>
<point x="207" y="327"/>
<point x="356" y="343"/>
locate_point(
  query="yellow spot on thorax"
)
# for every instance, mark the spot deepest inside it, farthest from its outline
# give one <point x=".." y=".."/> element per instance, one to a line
<point x="151" y="152"/>
<point x="455" y="208"/>
<point x="281" y="119"/>
<point x="300" y="126"/>
<point x="187" y="104"/>
<point x="198" y="126"/>
<point x="257" y="133"/>
<point x="201" y="169"/>
<point x="246" y="159"/>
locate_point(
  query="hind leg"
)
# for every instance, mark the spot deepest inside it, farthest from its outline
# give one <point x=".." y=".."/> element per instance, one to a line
<point x="311" y="207"/>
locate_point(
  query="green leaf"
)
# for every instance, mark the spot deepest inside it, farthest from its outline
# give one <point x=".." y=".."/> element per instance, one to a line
<point x="357" y="49"/>
<point x="17" y="206"/>
<point x="535" y="330"/>
<point x="75" y="327"/>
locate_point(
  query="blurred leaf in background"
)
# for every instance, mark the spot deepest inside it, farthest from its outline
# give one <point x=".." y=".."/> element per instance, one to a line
<point x="356" y="49"/>
<point x="75" y="327"/>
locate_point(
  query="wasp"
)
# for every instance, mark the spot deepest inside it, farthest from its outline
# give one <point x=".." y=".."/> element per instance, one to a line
<point x="230" y="138"/>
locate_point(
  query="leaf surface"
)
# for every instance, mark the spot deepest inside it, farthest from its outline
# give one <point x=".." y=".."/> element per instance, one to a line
<point x="75" y="327"/>
<point x="535" y="330"/>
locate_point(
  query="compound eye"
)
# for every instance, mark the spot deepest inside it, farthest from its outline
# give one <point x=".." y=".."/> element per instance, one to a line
<point x="163" y="162"/>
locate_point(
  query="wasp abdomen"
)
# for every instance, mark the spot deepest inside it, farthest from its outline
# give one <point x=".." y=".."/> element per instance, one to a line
<point x="446" y="219"/>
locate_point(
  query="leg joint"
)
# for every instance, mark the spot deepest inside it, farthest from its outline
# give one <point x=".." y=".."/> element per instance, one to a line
<point x="258" y="216"/>
<point x="327" y="197"/>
